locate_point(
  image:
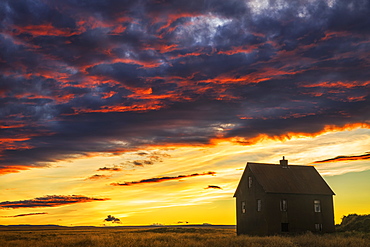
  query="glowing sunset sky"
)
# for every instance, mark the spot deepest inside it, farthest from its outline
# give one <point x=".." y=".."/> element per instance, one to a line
<point x="149" y="110"/>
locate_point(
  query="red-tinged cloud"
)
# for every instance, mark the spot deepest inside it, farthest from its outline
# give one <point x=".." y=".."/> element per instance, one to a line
<point x="289" y="135"/>
<point x="49" y="201"/>
<point x="345" y="158"/>
<point x="13" y="169"/>
<point x="78" y="80"/>
<point x="44" y="30"/>
<point x="213" y="187"/>
<point x="22" y="215"/>
<point x="338" y="84"/>
<point x="162" y="179"/>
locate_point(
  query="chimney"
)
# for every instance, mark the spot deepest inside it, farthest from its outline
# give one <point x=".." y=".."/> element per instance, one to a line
<point x="284" y="163"/>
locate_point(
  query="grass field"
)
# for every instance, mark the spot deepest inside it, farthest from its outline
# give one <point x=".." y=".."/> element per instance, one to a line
<point x="171" y="237"/>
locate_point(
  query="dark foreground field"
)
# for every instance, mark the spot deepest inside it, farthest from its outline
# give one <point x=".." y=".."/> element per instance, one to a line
<point x="172" y="237"/>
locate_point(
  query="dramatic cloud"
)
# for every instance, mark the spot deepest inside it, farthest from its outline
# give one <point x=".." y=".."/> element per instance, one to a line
<point x="345" y="158"/>
<point x="162" y="179"/>
<point x="22" y="215"/>
<point x="213" y="187"/>
<point x="82" y="78"/>
<point x="111" y="218"/>
<point x="49" y="201"/>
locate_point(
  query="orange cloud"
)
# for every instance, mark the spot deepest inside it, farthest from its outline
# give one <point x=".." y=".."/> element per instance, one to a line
<point x="15" y="139"/>
<point x="111" y="169"/>
<point x="213" y="187"/>
<point x="107" y="95"/>
<point x="15" y="142"/>
<point x="138" y="107"/>
<point x="365" y="156"/>
<point x="162" y="179"/>
<point x="289" y="135"/>
<point x="338" y="84"/>
<point x="97" y="177"/>
<point x="145" y="64"/>
<point x="49" y="201"/>
<point x="13" y="126"/>
<point x="239" y="49"/>
<point x="160" y="47"/>
<point x="255" y="77"/>
<point x="45" y="30"/>
<point x="22" y="215"/>
<point x="166" y="28"/>
<point x="58" y="98"/>
<point x="13" y="169"/>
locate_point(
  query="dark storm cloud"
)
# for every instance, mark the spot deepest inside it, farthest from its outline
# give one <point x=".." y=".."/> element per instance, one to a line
<point x="365" y="156"/>
<point x="162" y="179"/>
<point x="79" y="78"/>
<point x="49" y="201"/>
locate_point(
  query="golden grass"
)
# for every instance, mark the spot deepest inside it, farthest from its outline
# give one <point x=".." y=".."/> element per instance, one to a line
<point x="171" y="237"/>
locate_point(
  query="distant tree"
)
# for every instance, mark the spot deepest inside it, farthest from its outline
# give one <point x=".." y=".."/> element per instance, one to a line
<point x="111" y="218"/>
<point x="355" y="222"/>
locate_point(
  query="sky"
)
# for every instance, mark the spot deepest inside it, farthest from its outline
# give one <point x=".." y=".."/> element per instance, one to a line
<point x="123" y="112"/>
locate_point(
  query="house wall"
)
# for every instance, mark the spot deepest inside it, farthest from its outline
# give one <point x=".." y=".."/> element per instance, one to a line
<point x="252" y="221"/>
<point x="300" y="214"/>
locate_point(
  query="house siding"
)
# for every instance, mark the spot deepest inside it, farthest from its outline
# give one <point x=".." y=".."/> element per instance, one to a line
<point x="252" y="221"/>
<point x="300" y="214"/>
<point x="299" y="217"/>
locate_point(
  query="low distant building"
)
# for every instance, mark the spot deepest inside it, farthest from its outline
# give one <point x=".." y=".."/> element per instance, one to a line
<point x="275" y="199"/>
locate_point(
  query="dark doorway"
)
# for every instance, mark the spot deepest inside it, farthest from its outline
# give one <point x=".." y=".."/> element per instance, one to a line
<point x="285" y="227"/>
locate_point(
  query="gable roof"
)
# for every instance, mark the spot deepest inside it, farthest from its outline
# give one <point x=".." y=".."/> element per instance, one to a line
<point x="291" y="180"/>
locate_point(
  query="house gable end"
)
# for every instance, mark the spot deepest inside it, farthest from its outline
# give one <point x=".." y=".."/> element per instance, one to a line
<point x="243" y="182"/>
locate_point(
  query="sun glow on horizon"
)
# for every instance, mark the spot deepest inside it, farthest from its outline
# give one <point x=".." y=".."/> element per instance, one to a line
<point x="182" y="198"/>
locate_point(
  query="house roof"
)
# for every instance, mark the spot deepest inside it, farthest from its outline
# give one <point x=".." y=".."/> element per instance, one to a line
<point x="294" y="179"/>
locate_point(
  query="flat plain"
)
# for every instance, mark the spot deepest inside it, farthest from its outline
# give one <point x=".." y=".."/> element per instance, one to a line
<point x="47" y="236"/>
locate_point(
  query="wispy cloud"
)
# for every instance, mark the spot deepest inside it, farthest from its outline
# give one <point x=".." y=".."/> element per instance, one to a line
<point x="49" y="201"/>
<point x="162" y="179"/>
<point x="150" y="159"/>
<point x="97" y="177"/>
<point x="111" y="169"/>
<point x="365" y="156"/>
<point x="213" y="187"/>
<point x="22" y="215"/>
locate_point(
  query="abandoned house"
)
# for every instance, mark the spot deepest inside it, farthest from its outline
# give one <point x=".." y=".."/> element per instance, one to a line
<point x="274" y="199"/>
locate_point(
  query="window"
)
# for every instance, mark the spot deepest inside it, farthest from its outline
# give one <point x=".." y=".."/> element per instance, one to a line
<point x="250" y="181"/>
<point x="283" y="205"/>
<point x="243" y="207"/>
<point x="259" y="205"/>
<point x="318" y="227"/>
<point x="317" y="206"/>
<point x="285" y="227"/>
